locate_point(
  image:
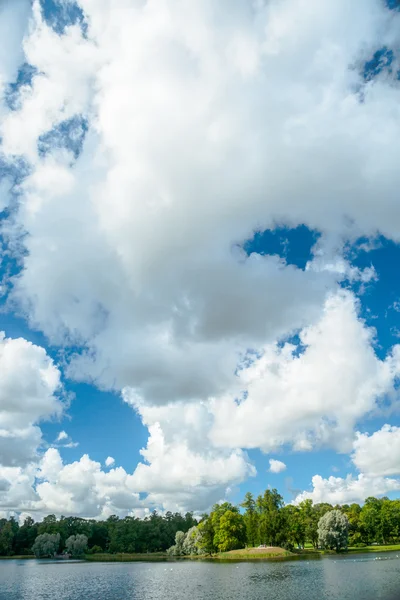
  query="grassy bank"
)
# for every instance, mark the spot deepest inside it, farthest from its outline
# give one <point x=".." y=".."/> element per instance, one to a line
<point x="352" y="549"/>
<point x="392" y="548"/>
<point x="122" y="557"/>
<point x="254" y="554"/>
<point x="244" y="554"/>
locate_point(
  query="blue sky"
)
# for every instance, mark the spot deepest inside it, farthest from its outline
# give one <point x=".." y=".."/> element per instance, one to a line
<point x="199" y="264"/>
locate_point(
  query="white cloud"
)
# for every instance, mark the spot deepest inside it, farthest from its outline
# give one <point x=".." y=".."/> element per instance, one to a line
<point x="177" y="94"/>
<point x="312" y="398"/>
<point x="276" y="466"/>
<point x="30" y="391"/>
<point x="109" y="461"/>
<point x="205" y="125"/>
<point x="337" y="490"/>
<point x="82" y="488"/>
<point x="51" y="465"/>
<point x="378" y="454"/>
<point x="63" y="440"/>
<point x="181" y="468"/>
<point x="59" y="89"/>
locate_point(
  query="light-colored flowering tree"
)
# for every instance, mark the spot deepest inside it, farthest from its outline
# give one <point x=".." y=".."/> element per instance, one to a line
<point x="46" y="545"/>
<point x="333" y="530"/>
<point x="76" y="545"/>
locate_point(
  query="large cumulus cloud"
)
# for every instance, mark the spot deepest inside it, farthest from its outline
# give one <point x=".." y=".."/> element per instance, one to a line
<point x="207" y="121"/>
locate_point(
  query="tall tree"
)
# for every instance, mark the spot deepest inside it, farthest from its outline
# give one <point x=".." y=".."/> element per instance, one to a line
<point x="207" y="533"/>
<point x="6" y="538"/>
<point x="231" y="532"/>
<point x="250" y="519"/>
<point x="271" y="518"/>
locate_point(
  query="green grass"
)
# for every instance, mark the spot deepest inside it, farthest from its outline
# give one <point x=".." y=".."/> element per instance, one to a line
<point x="246" y="556"/>
<point x="125" y="557"/>
<point x="253" y="554"/>
<point x="309" y="550"/>
<point x="391" y="548"/>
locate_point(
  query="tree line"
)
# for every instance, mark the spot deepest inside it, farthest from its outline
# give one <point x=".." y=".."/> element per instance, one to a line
<point x="266" y="520"/>
<point x="155" y="533"/>
<point x="262" y="520"/>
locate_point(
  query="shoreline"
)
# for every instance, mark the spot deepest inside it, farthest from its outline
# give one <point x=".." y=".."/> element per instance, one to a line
<point x="235" y="556"/>
<point x="243" y="556"/>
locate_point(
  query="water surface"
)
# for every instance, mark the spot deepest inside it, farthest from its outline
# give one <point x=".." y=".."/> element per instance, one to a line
<point x="364" y="577"/>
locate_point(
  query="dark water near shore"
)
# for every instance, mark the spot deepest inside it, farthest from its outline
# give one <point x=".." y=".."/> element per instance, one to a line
<point x="364" y="577"/>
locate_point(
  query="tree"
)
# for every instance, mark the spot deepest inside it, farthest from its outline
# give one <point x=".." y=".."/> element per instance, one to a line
<point x="177" y="549"/>
<point x="250" y="519"/>
<point x="271" y="518"/>
<point x="99" y="535"/>
<point x="26" y="536"/>
<point x="191" y="544"/>
<point x="309" y="519"/>
<point x="370" y="520"/>
<point x="333" y="530"/>
<point x="295" y="526"/>
<point x="49" y="525"/>
<point x="353" y="514"/>
<point x="46" y="545"/>
<point x="76" y="545"/>
<point x="6" y="538"/>
<point x="265" y="520"/>
<point x="206" y="539"/>
<point x="231" y="532"/>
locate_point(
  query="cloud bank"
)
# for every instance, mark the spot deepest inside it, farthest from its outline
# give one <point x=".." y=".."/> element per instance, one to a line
<point x="149" y="158"/>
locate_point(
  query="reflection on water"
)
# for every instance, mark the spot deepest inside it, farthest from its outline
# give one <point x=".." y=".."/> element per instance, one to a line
<point x="332" y="578"/>
<point x="279" y="574"/>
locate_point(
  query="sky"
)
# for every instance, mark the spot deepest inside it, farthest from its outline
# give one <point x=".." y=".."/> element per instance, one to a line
<point x="199" y="276"/>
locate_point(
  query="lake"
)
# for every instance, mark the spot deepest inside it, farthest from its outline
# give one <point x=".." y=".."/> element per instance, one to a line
<point x="366" y="577"/>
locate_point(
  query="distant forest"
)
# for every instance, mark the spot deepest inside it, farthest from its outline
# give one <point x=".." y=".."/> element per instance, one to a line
<point x="262" y="520"/>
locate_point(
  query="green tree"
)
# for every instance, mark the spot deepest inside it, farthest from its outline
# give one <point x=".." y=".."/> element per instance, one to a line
<point x="49" y="525"/>
<point x="295" y="526"/>
<point x="370" y="521"/>
<point x="271" y="518"/>
<point x="207" y="533"/>
<point x="250" y="519"/>
<point x="6" y="538"/>
<point x="26" y="536"/>
<point x="231" y="531"/>
<point x="309" y="519"/>
<point x="353" y="514"/>
<point x="99" y="535"/>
